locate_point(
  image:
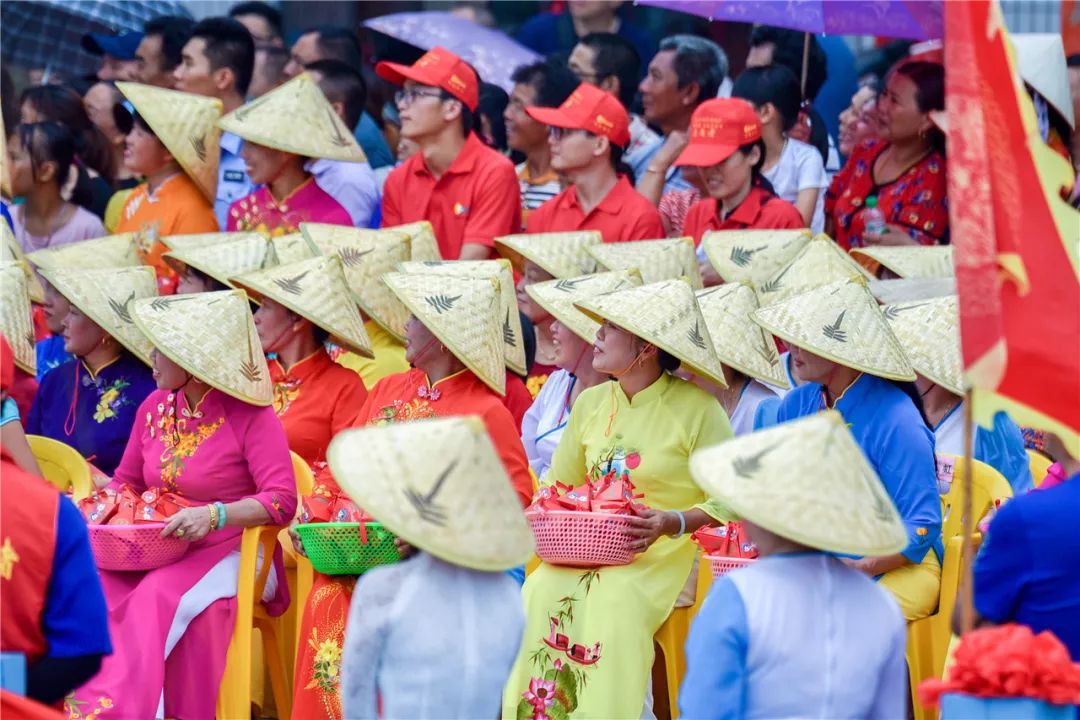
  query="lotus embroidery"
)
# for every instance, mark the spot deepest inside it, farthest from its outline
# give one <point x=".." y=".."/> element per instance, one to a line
<point x="121" y="309"/>
<point x="696" y="337"/>
<point x="291" y="285"/>
<point x="833" y="332"/>
<point x="425" y="504"/>
<point x="442" y="303"/>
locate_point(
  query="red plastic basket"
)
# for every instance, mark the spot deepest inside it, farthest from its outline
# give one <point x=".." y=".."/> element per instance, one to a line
<point x="581" y="539"/>
<point x="134" y="547"/>
<point x="722" y="564"/>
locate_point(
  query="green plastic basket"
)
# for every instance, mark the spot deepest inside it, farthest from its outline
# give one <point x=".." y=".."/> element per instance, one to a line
<point x="337" y="549"/>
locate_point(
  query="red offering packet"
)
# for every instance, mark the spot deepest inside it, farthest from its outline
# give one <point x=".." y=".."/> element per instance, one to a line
<point x="728" y="540"/>
<point x="125" y="507"/>
<point x="613" y="494"/>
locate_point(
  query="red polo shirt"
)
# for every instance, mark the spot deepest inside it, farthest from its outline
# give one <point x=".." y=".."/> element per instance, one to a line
<point x="761" y="210"/>
<point x="624" y="214"/>
<point x="476" y="200"/>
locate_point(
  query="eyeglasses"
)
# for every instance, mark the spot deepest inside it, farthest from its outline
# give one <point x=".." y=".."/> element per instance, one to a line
<point x="406" y="97"/>
<point x="558" y="133"/>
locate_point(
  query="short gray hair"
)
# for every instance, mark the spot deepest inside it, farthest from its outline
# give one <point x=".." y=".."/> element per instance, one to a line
<point x="699" y="60"/>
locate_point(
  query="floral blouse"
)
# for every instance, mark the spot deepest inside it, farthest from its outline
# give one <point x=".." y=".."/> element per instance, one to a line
<point x="917" y="200"/>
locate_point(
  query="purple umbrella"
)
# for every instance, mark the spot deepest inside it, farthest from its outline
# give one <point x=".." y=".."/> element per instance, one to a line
<point x="494" y="54"/>
<point x="911" y="19"/>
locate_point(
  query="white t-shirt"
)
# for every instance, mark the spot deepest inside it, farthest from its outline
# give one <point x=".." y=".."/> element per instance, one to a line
<point x="800" y="168"/>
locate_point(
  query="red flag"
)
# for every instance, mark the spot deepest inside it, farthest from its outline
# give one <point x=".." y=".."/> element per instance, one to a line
<point x="1016" y="241"/>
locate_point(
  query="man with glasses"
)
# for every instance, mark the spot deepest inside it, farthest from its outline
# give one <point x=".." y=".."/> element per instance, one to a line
<point x="467" y="191"/>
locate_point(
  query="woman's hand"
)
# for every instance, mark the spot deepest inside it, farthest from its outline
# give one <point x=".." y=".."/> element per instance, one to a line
<point x="648" y="525"/>
<point x="405" y="550"/>
<point x="297" y="543"/>
<point x="189" y="524"/>
<point x="893" y="235"/>
<point x="674" y="143"/>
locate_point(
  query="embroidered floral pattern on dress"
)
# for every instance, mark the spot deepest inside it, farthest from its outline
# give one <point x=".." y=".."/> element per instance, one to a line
<point x="322" y="657"/>
<point x="75" y="707"/>
<point x="285" y="392"/>
<point x="179" y="442"/>
<point x="404" y="411"/>
<point x="110" y="397"/>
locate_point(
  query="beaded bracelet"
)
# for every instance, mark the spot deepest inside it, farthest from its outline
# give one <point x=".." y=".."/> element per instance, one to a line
<point x="213" y="516"/>
<point x="222" y="515"/>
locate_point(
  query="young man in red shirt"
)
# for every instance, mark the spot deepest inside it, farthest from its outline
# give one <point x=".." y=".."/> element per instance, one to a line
<point x="587" y="137"/>
<point x="467" y="191"/>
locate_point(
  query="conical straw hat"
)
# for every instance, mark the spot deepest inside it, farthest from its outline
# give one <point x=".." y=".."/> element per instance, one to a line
<point x="740" y="343"/>
<point x="656" y="260"/>
<point x="423" y="246"/>
<point x="212" y="336"/>
<point x="808" y="481"/>
<point x="906" y="290"/>
<point x="111" y="251"/>
<point x="290" y="248"/>
<point x="819" y="263"/>
<point x="665" y="314"/>
<point x="186" y="124"/>
<point x="908" y="261"/>
<point x="13" y="253"/>
<point x="559" y="254"/>
<point x="842" y="322"/>
<point x="366" y="255"/>
<point x="314" y="289"/>
<point x="223" y="261"/>
<point x="513" y="340"/>
<point x="452" y="500"/>
<point x="558" y="297"/>
<point x="753" y="255"/>
<point x="929" y="331"/>
<point x="295" y="118"/>
<point x="190" y="242"/>
<point x="106" y="296"/>
<point x="463" y="313"/>
<point x="1040" y="60"/>
<point x="16" y="322"/>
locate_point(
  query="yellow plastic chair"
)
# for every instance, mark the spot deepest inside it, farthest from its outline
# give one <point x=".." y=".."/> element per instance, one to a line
<point x="62" y="465"/>
<point x="1039" y="465"/>
<point x="305" y="573"/>
<point x="928" y="638"/>
<point x="987" y="486"/>
<point x="671" y="637"/>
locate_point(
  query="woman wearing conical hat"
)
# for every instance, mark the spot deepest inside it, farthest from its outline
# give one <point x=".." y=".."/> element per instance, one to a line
<point x="17" y="324"/>
<point x="282" y="131"/>
<point x="210" y="268"/>
<point x="929" y="332"/>
<point x="208" y="434"/>
<point x="573" y="334"/>
<point x="455" y="344"/>
<point x="538" y="258"/>
<point x="749" y="356"/>
<point x="91" y="401"/>
<point x="642" y="426"/>
<point x="412" y="623"/>
<point x="806" y="493"/>
<point x="172" y="142"/>
<point x="849" y="360"/>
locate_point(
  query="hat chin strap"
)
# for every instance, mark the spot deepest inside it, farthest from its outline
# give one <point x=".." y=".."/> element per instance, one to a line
<point x="633" y="363"/>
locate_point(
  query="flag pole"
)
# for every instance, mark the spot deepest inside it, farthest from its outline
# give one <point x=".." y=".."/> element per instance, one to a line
<point x="967" y="618"/>
<point x="805" y="63"/>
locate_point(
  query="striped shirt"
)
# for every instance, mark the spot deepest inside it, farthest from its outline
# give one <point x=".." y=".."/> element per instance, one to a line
<point x="536" y="191"/>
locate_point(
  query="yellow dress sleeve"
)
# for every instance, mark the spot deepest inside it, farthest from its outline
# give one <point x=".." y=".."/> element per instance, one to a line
<point x="714" y="429"/>
<point x="568" y="464"/>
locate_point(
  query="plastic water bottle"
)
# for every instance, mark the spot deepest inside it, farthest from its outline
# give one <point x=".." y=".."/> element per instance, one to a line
<point x="873" y="218"/>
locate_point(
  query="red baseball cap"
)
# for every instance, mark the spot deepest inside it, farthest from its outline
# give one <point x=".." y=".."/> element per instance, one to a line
<point x="588" y="108"/>
<point x="439" y="68"/>
<point x="717" y="129"/>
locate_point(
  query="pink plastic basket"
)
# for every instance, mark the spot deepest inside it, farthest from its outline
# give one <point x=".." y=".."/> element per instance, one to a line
<point x="581" y="539"/>
<point x="722" y="564"/>
<point x="134" y="547"/>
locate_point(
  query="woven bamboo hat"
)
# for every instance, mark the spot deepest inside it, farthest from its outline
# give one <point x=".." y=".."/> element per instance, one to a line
<point x="842" y="322"/>
<point x="453" y="500"/>
<point x="656" y="260"/>
<point x="366" y="256"/>
<point x="805" y="480"/>
<point x="314" y="289"/>
<point x="13" y="253"/>
<point x="559" y="254"/>
<point x="212" y="336"/>
<point x="189" y="242"/>
<point x="16" y="322"/>
<point x="820" y="262"/>
<point x="186" y="124"/>
<point x="289" y="248"/>
<point x="223" y="261"/>
<point x="296" y="118"/>
<point x="463" y="313"/>
<point x="559" y="298"/>
<point x="929" y="331"/>
<point x="740" y="343"/>
<point x="906" y="290"/>
<point x="753" y="255"/>
<point x="908" y="261"/>
<point x="111" y="251"/>
<point x="665" y="314"/>
<point x="423" y="246"/>
<point x="106" y="296"/>
<point x="513" y="338"/>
